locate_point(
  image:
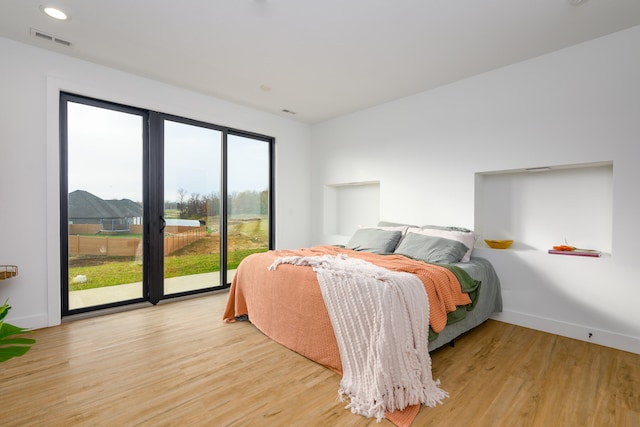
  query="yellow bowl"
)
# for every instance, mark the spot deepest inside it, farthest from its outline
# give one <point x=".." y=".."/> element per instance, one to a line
<point x="499" y="244"/>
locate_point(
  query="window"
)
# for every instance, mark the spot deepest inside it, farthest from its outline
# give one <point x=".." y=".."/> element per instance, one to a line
<point x="153" y="205"/>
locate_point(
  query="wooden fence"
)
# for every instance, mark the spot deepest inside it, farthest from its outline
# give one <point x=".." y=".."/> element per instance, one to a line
<point x="182" y="237"/>
<point x="175" y="238"/>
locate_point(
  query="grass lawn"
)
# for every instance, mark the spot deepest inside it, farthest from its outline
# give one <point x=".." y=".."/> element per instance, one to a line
<point x="129" y="271"/>
<point x="245" y="237"/>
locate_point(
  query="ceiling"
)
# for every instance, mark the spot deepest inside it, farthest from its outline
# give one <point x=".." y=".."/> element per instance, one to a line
<point x="316" y="59"/>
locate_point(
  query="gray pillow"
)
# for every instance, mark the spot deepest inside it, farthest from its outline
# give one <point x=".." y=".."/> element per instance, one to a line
<point x="431" y="249"/>
<point x="374" y="240"/>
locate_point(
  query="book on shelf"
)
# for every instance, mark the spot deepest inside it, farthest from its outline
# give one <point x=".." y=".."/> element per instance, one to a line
<point x="577" y="252"/>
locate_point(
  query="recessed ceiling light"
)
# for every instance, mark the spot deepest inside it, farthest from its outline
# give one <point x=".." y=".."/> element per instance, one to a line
<point x="54" y="13"/>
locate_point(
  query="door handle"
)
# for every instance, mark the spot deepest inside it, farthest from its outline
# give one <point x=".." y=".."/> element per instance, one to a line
<point x="164" y="224"/>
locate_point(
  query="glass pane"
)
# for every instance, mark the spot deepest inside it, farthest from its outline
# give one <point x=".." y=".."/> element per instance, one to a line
<point x="248" y="199"/>
<point x="191" y="207"/>
<point x="104" y="153"/>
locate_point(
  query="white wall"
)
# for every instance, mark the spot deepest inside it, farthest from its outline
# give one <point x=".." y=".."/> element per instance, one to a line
<point x="30" y="80"/>
<point x="577" y="105"/>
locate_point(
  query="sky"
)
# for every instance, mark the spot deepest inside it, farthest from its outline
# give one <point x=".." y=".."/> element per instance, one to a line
<point x="105" y="156"/>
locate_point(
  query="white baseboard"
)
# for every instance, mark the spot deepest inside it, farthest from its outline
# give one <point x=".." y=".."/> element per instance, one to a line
<point x="29" y="322"/>
<point x="579" y="332"/>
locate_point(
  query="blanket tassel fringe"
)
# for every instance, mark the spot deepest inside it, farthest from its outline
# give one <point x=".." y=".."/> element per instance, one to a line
<point x="395" y="399"/>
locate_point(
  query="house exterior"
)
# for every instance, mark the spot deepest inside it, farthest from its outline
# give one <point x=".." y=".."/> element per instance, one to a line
<point x="113" y="216"/>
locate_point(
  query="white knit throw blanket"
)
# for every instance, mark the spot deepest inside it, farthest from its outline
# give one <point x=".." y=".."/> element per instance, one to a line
<point x="380" y="319"/>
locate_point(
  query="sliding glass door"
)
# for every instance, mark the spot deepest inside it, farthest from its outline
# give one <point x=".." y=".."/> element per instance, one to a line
<point x="155" y="206"/>
<point x="248" y="209"/>
<point x="192" y="189"/>
<point x="103" y="204"/>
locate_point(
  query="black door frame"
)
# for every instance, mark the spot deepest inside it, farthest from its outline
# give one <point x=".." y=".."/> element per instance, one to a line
<point x="153" y="200"/>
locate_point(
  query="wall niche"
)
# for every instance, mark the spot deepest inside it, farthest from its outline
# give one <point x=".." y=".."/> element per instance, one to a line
<point x="349" y="206"/>
<point x="545" y="206"/>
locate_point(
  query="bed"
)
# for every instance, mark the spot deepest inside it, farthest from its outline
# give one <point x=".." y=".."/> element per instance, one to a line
<point x="287" y="305"/>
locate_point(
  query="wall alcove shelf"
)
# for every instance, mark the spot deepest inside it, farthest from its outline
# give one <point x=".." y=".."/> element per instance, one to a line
<point x="8" y="271"/>
<point x="540" y="207"/>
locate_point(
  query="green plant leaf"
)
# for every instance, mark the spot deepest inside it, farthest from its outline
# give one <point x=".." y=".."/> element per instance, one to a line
<point x="18" y="341"/>
<point x="7" y="353"/>
<point x="15" y="346"/>
<point x="7" y="330"/>
<point x="4" y="309"/>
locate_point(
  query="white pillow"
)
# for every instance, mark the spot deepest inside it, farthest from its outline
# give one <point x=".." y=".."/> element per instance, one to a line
<point x="467" y="238"/>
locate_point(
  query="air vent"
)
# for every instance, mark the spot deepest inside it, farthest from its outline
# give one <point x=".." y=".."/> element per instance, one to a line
<point x="48" y="37"/>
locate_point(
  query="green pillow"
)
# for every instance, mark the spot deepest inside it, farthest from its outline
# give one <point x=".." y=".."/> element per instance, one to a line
<point x="431" y="249"/>
<point x="374" y="240"/>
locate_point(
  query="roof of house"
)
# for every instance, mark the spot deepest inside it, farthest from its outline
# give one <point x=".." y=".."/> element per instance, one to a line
<point x="83" y="204"/>
<point x="183" y="222"/>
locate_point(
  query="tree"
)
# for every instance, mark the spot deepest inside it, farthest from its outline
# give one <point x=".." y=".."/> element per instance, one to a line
<point x="181" y="207"/>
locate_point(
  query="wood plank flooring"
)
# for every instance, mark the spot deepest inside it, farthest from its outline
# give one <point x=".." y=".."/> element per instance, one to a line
<point x="178" y="364"/>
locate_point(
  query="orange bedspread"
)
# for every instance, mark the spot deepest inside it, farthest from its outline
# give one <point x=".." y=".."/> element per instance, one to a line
<point x="286" y="304"/>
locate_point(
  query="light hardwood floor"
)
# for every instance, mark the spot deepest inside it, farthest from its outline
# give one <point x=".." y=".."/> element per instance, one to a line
<point x="178" y="364"/>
